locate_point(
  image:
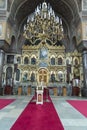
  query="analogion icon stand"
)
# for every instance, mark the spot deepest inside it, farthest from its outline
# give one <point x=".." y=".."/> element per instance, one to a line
<point x="39" y="95"/>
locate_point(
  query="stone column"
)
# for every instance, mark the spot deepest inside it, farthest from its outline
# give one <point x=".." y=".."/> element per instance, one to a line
<point x="84" y="60"/>
<point x="2" y="57"/>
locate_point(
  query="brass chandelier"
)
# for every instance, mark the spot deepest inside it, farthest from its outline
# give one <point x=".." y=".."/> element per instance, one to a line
<point x="43" y="24"/>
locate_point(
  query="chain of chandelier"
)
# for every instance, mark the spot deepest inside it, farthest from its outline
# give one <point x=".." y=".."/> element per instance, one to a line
<point x="43" y="24"/>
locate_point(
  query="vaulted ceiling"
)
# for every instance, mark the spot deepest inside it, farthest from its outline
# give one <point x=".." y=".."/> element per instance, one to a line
<point x="68" y="9"/>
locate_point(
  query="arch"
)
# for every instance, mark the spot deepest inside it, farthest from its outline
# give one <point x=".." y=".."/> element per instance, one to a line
<point x="52" y="56"/>
<point x="33" y="56"/>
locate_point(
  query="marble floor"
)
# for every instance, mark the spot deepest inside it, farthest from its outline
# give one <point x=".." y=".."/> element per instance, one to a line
<point x="69" y="116"/>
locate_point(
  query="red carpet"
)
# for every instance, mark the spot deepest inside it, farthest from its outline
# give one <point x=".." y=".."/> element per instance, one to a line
<point x="80" y="105"/>
<point x="38" y="117"/>
<point x="5" y="102"/>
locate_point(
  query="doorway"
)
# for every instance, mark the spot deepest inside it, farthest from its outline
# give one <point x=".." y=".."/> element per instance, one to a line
<point x="43" y="74"/>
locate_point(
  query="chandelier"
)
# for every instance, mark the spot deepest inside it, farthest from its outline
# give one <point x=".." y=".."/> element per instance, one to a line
<point x="43" y="24"/>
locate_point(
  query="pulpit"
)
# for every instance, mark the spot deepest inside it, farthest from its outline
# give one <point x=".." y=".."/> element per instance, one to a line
<point x="39" y="92"/>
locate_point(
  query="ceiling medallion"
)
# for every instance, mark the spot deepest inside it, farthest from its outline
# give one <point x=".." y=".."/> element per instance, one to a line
<point x="43" y="24"/>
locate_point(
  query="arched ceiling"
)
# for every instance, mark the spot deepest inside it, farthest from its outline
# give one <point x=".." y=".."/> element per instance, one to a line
<point x="22" y="8"/>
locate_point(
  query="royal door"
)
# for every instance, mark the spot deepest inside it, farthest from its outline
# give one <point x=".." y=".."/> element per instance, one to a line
<point x="43" y="75"/>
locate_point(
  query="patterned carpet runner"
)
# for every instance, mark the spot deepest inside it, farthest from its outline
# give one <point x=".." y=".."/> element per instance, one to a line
<point x="38" y="117"/>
